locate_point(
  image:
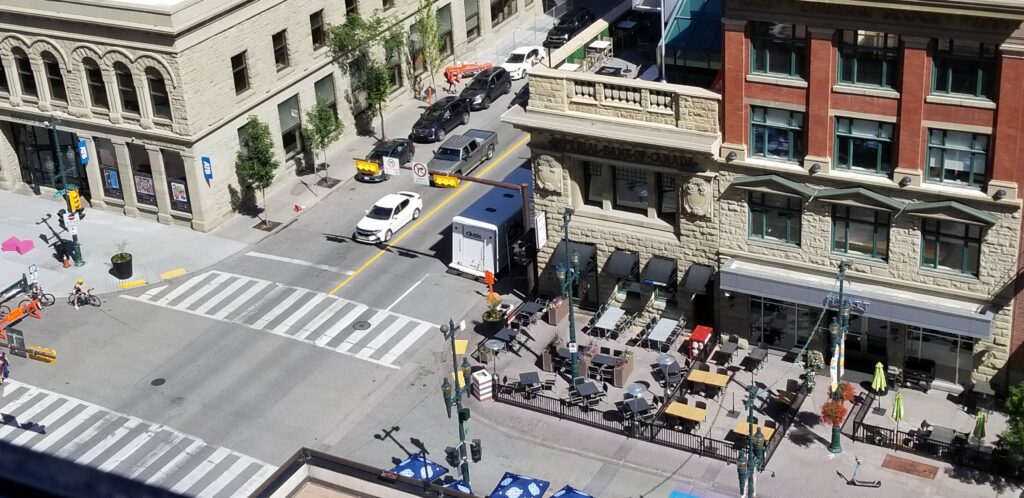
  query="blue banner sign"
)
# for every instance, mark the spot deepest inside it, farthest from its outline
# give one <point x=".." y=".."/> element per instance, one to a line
<point x="857" y="306"/>
<point x="83" y="152"/>
<point x="207" y="168"/>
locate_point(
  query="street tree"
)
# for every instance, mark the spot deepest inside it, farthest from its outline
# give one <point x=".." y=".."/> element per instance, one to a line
<point x="1013" y="436"/>
<point x="431" y="45"/>
<point x="255" y="163"/>
<point x="365" y="39"/>
<point x="322" y="128"/>
<point x="376" y="82"/>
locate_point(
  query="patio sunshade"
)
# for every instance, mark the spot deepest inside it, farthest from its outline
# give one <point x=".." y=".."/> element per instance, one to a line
<point x="517" y="486"/>
<point x="585" y="251"/>
<point x="878" y="382"/>
<point x="697" y="279"/>
<point x="623" y="264"/>
<point x="897" y="410"/>
<point x="660" y="272"/>
<point x="979" y="427"/>
<point x="570" y="492"/>
<point x="420" y="468"/>
<point x="459" y="485"/>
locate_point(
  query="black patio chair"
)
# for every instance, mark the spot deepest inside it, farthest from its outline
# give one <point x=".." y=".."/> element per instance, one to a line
<point x="549" y="384"/>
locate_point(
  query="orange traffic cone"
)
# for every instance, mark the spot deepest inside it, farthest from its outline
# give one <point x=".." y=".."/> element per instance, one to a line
<point x="67" y="262"/>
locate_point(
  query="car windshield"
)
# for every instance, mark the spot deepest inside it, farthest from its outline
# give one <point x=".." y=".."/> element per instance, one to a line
<point x="565" y="21"/>
<point x="379" y="213"/>
<point x="516" y="58"/>
<point x="478" y="84"/>
<point x="375" y="155"/>
<point x="434" y="112"/>
<point x="447" y="154"/>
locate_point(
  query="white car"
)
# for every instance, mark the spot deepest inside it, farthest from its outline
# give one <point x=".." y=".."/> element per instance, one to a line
<point x="522" y="59"/>
<point x="387" y="216"/>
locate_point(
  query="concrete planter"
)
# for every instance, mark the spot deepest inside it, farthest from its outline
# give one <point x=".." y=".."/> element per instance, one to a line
<point x="620" y="376"/>
<point x="122" y="266"/>
<point x="558" y="313"/>
<point x="547" y="361"/>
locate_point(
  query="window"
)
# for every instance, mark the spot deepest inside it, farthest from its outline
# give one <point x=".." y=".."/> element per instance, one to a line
<point x="868" y="58"/>
<point x="351" y="6"/>
<point x="108" y="168"/>
<point x="389" y="4"/>
<point x="240" y="71"/>
<point x="280" y="40"/>
<point x="861" y="231"/>
<point x="316" y="29"/>
<point x="291" y="126"/>
<point x="126" y="88"/>
<point x="158" y="94"/>
<point x="778" y="49"/>
<point x="25" y="75"/>
<point x="950" y="245"/>
<point x="243" y="136"/>
<point x="502" y="10"/>
<point x="667" y="197"/>
<point x="97" y="87"/>
<point x="631" y="189"/>
<point x="593" y="184"/>
<point x="864" y="146"/>
<point x="472" y="19"/>
<point x="952" y="356"/>
<point x="324" y="89"/>
<point x="774" y="217"/>
<point x="394" y="64"/>
<point x="957" y="157"/>
<point x="964" y="68"/>
<point x="5" y="87"/>
<point x="777" y="133"/>
<point x="444" y="29"/>
<point x="55" y="78"/>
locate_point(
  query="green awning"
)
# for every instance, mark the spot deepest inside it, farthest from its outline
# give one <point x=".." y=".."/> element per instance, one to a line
<point x="860" y="195"/>
<point x="952" y="210"/>
<point x="775" y="183"/>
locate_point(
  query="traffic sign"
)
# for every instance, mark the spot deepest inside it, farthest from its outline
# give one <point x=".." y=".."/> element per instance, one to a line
<point x="421" y="176"/>
<point x="72" y="220"/>
<point x="392" y="166"/>
<point x="73" y="230"/>
<point x="573" y="347"/>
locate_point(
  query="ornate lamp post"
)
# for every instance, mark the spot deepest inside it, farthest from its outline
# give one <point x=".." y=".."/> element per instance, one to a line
<point x="837" y="334"/>
<point x="568" y="274"/>
<point x="453" y="398"/>
<point x="749" y="463"/>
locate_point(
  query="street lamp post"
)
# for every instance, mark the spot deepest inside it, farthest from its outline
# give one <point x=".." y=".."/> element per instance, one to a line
<point x="567" y="276"/>
<point x="453" y="398"/>
<point x="837" y="334"/>
<point x="749" y="463"/>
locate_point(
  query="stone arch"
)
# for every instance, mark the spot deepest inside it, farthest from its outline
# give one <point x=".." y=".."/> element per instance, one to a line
<point x="117" y="55"/>
<point x="43" y="45"/>
<point x="13" y="40"/>
<point x="146" y="61"/>
<point x="82" y="52"/>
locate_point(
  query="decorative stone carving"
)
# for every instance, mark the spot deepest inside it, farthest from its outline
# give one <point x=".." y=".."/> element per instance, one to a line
<point x="697" y="198"/>
<point x="547" y="174"/>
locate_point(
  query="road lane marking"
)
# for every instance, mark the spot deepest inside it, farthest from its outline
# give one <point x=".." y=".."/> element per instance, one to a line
<point x="382" y="338"/>
<point x="406" y="293"/>
<point x="299" y="314"/>
<point x="311" y="327"/>
<point x="201" y="470"/>
<point x="220" y="296"/>
<point x="360" y="334"/>
<point x="432" y="212"/>
<point x="229" y="475"/>
<point x="280" y="308"/>
<point x="108" y="441"/>
<point x="240" y="300"/>
<point x="204" y="290"/>
<point x="179" y="290"/>
<point x="341" y="324"/>
<point x="409" y="340"/>
<point x="65" y="428"/>
<point x="299" y="262"/>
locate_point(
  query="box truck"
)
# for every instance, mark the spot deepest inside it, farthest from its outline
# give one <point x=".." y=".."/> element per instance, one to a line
<point x="483" y="234"/>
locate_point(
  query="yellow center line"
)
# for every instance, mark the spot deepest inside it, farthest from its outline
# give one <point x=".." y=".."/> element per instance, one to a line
<point x="423" y="218"/>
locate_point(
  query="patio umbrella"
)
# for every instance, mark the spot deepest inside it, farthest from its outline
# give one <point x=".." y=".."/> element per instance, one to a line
<point x="459" y="485"/>
<point x="570" y="492"/>
<point x="517" y="486"/>
<point x="979" y="427"/>
<point x="878" y="383"/>
<point x="897" y="411"/>
<point x="420" y="468"/>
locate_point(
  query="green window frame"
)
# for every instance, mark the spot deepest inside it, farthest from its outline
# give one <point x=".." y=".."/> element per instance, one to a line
<point x="964" y="68"/>
<point x="774" y="218"/>
<point x="864" y="146"/>
<point x="869" y="58"/>
<point x="957" y="157"/>
<point x="778" y="49"/>
<point x="860" y="231"/>
<point x="951" y="246"/>
<point x="777" y="134"/>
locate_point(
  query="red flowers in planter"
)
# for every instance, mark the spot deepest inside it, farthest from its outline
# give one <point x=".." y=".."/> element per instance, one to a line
<point x="833" y="412"/>
<point x="846" y="391"/>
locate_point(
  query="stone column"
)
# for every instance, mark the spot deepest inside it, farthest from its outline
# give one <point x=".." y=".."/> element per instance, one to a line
<point x="114" y="99"/>
<point x="819" y="92"/>
<point x="124" y="171"/>
<point x="11" y="71"/>
<point x="145" y="106"/>
<point x="896" y="345"/>
<point x="93" y="175"/>
<point x="10" y="167"/>
<point x="163" y="197"/>
<point x="915" y="77"/>
<point x="42" y="85"/>
<point x="198" y="193"/>
<point x="485" y="18"/>
<point x="734" y="70"/>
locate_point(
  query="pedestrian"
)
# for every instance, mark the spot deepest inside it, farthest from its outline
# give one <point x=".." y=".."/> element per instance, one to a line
<point x="457" y="80"/>
<point x="450" y="78"/>
<point x="6" y="369"/>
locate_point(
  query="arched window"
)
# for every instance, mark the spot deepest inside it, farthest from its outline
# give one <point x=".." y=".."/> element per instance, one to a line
<point x="5" y="87"/>
<point x="158" y="94"/>
<point x="97" y="88"/>
<point x="126" y="87"/>
<point x="24" y="68"/>
<point x="55" y="78"/>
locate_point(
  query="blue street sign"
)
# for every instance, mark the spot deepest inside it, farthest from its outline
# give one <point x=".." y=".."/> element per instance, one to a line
<point x="207" y="168"/>
<point x="83" y="152"/>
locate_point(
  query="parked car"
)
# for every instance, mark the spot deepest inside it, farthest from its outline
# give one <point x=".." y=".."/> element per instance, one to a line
<point x="401" y="148"/>
<point x="439" y="119"/>
<point x="461" y="153"/>
<point x="486" y="87"/>
<point x="568" y="26"/>
<point x="521" y="60"/>
<point x="387" y="216"/>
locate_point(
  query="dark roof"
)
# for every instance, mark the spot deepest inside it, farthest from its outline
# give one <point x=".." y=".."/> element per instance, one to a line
<point x="861" y="195"/>
<point x="952" y="209"/>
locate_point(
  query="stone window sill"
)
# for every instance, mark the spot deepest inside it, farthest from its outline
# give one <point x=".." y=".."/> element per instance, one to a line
<point x="867" y="91"/>
<point x="960" y="277"/>
<point x="960" y="101"/>
<point x="776" y="80"/>
<point x="620" y="217"/>
<point x="774" y="245"/>
<point x="859" y="259"/>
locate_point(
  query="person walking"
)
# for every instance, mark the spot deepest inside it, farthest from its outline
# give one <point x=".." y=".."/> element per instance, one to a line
<point x="5" y="369"/>
<point x="450" y="78"/>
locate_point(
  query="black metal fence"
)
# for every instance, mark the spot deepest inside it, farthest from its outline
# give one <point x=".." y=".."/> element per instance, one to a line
<point x="787" y="420"/>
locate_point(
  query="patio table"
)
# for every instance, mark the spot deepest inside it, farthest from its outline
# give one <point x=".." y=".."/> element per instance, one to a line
<point x="758" y="356"/>
<point x="610" y="317"/>
<point x="507" y="335"/>
<point x="742" y="427"/>
<point x="707" y="378"/>
<point x="661" y="331"/>
<point x="942" y="435"/>
<point x="728" y="348"/>
<point x="638" y="405"/>
<point x="686" y="412"/>
<point x="587" y="389"/>
<point x="604" y="359"/>
<point x="531" y="308"/>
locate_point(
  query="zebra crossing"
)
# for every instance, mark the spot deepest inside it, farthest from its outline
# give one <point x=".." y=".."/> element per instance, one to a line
<point x="75" y="430"/>
<point x="325" y="321"/>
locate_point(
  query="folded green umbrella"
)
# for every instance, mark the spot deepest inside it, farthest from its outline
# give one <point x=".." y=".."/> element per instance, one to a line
<point x="979" y="427"/>
<point x="878" y="383"/>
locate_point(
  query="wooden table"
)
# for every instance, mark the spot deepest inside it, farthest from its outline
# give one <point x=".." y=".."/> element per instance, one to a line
<point x="741" y="428"/>
<point x="785" y="397"/>
<point x="686" y="412"/>
<point x="708" y="378"/>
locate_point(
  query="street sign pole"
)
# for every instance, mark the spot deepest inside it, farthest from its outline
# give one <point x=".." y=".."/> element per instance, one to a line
<point x="76" y="248"/>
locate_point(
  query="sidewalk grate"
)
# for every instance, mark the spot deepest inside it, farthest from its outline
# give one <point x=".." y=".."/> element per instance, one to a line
<point x="910" y="467"/>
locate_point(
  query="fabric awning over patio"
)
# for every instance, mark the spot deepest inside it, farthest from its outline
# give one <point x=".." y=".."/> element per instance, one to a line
<point x="659" y="272"/>
<point x="900" y="306"/>
<point x="623" y="264"/>
<point x="697" y="278"/>
<point x="586" y="253"/>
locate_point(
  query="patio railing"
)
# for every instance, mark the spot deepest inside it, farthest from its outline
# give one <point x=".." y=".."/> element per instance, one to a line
<point x="785" y="423"/>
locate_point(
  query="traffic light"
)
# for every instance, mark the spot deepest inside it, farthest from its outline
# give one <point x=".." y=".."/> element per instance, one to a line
<point x="464" y="415"/>
<point x="74" y="201"/>
<point x="60" y="219"/>
<point x="451" y="455"/>
<point x="519" y="253"/>
<point x="446" y="181"/>
<point x="475" y="450"/>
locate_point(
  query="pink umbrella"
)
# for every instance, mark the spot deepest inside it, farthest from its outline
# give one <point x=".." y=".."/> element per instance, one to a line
<point x="10" y="244"/>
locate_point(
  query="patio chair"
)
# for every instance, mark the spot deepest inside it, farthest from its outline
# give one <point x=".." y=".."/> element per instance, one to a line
<point x="578" y="380"/>
<point x="605" y="350"/>
<point x="722" y="371"/>
<point x="593" y="402"/>
<point x="771" y="424"/>
<point x="549" y="384"/>
<point x="705" y="367"/>
<point x="574" y="397"/>
<point x="702" y="405"/>
<point x="673" y="378"/>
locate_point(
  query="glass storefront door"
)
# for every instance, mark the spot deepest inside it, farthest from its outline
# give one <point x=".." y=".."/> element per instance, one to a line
<point x="35" y="153"/>
<point x="953" y="355"/>
<point x="780" y="325"/>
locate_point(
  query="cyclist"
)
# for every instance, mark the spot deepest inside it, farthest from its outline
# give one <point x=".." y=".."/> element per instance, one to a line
<point x="79" y="290"/>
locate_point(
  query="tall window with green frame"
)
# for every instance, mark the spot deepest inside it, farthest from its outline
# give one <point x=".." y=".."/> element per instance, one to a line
<point x="864" y="146"/>
<point x="778" y="49"/>
<point x="957" y="157"/>
<point x="860" y="231"/>
<point x="951" y="246"/>
<point x="868" y="58"/>
<point x="774" y="217"/>
<point x="777" y="134"/>
<point x="964" y="68"/>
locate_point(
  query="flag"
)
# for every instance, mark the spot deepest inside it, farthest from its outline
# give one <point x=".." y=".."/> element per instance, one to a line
<point x="842" y="353"/>
<point x="833" y="368"/>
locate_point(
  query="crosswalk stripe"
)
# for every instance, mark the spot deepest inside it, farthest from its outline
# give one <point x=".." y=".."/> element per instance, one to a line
<point x="181" y="289"/>
<point x="152" y="292"/>
<point x="410" y="339"/>
<point x="236" y="468"/>
<point x="200" y="470"/>
<point x="240" y="300"/>
<point x="258" y="479"/>
<point x="87" y="434"/>
<point x="9" y="408"/>
<point x="222" y="295"/>
<point x="65" y="428"/>
<point x="298" y="314"/>
<point x="155" y="454"/>
<point x="383" y="337"/>
<point x="204" y="290"/>
<point x="64" y="409"/>
<point x="341" y="324"/>
<point x="310" y="327"/>
<point x="25" y="417"/>
<point x="280" y="308"/>
<point x="107" y="442"/>
<point x="127" y="450"/>
<point x="172" y="466"/>
<point x="360" y="334"/>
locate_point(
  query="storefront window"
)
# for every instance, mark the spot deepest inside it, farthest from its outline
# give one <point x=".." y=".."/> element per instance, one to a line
<point x="631" y="189"/>
<point x="177" y="185"/>
<point x="779" y="324"/>
<point x="142" y="172"/>
<point x="774" y="217"/>
<point x="862" y="231"/>
<point x="953" y="355"/>
<point x="502" y="10"/>
<point x="472" y="19"/>
<point x="108" y="168"/>
<point x="35" y="154"/>
<point x="444" y="29"/>
<point x="593" y="184"/>
<point x="291" y="126"/>
<point x="950" y="245"/>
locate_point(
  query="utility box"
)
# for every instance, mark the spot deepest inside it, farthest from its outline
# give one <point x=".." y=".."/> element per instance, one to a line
<point x="482" y="385"/>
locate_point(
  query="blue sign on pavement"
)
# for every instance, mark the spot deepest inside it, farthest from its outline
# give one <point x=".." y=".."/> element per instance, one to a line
<point x="83" y="152"/>
<point x="207" y="168"/>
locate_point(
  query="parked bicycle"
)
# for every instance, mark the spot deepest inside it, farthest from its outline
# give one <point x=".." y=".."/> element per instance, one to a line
<point x="84" y="298"/>
<point x="36" y="292"/>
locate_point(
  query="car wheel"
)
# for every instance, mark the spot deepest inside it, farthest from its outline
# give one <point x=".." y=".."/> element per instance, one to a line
<point x="440" y="135"/>
<point x="487" y="103"/>
<point x="416" y="214"/>
<point x="465" y="118"/>
<point x="490" y="153"/>
<point x="387" y="236"/>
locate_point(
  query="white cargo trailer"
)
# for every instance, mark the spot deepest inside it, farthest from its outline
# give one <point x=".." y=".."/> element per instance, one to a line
<point x="483" y="234"/>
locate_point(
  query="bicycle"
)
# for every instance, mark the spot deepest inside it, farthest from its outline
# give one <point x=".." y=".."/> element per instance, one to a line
<point x="45" y="298"/>
<point x="86" y="297"/>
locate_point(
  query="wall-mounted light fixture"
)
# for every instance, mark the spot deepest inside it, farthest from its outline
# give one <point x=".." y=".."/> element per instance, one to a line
<point x="731" y="156"/>
<point x="905" y="181"/>
<point x="1000" y="195"/>
<point x="815" y="168"/>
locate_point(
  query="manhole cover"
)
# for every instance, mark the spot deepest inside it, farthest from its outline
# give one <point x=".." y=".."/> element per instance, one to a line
<point x="361" y="325"/>
<point x="157" y="382"/>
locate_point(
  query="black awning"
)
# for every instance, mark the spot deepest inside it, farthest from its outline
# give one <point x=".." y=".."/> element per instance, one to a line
<point x="586" y="253"/>
<point x="660" y="272"/>
<point x="623" y="264"/>
<point x="697" y="279"/>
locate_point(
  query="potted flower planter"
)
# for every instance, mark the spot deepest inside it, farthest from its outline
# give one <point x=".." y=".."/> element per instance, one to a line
<point x="121" y="261"/>
<point x="547" y="360"/>
<point x="620" y="376"/>
<point x="557" y="311"/>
